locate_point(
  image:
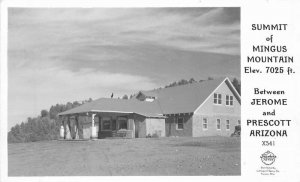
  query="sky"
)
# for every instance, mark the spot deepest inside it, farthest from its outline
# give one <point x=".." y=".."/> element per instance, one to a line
<point x="59" y="55"/>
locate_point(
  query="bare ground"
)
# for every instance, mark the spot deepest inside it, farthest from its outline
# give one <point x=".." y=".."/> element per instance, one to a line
<point x="156" y="156"/>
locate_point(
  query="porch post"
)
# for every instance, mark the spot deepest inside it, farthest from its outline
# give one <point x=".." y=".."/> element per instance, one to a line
<point x="130" y="126"/>
<point x="133" y="128"/>
<point x="68" y="129"/>
<point x="94" y="133"/>
<point x="65" y="127"/>
<point x="62" y="130"/>
<point x="77" y="126"/>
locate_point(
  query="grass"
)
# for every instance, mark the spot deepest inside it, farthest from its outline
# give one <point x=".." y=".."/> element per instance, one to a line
<point x="144" y="156"/>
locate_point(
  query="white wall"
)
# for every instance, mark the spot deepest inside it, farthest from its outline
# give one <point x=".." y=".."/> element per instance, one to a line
<point x="154" y="125"/>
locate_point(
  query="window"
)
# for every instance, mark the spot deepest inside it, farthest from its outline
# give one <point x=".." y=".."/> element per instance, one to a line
<point x="218" y="124"/>
<point x="227" y="125"/>
<point x="179" y="123"/>
<point x="229" y="100"/>
<point x="204" y="123"/>
<point x="106" y="125"/>
<point x="217" y="98"/>
<point x="123" y="124"/>
<point x="239" y="122"/>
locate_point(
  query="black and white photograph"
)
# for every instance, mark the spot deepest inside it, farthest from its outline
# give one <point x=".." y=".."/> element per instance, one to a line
<point x="124" y="91"/>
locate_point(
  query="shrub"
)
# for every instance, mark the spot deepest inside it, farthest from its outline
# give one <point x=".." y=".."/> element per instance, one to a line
<point x="237" y="131"/>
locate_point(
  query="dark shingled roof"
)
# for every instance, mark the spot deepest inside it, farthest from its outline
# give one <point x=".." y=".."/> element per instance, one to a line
<point x="172" y="100"/>
<point x="186" y="98"/>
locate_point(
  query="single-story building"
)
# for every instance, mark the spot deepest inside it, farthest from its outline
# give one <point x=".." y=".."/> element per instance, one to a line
<point x="206" y="108"/>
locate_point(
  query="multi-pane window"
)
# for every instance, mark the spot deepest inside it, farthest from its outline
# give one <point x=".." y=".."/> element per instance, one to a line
<point x="106" y="125"/>
<point x="218" y="124"/>
<point x="204" y="123"/>
<point x="180" y="123"/>
<point x="227" y="124"/>
<point x="217" y="98"/>
<point x="229" y="100"/>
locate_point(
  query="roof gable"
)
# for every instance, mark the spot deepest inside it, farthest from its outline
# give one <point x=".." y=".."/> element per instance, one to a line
<point x="186" y="98"/>
<point x="228" y="84"/>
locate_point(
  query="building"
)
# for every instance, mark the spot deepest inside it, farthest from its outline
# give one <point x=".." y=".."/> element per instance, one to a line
<point x="208" y="108"/>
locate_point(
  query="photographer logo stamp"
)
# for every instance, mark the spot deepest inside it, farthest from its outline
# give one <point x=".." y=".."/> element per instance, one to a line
<point x="268" y="158"/>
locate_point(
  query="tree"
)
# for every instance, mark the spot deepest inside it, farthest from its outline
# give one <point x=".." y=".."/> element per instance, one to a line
<point x="69" y="106"/>
<point x="44" y="113"/>
<point x="125" y="97"/>
<point x="182" y="82"/>
<point x="44" y="127"/>
<point x="76" y="103"/>
<point x="192" y="80"/>
<point x="171" y="85"/>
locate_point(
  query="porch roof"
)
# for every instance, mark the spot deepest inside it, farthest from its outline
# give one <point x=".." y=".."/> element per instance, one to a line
<point x="110" y="105"/>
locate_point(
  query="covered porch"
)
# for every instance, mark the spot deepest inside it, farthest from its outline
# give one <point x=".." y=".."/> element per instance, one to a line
<point x="96" y="125"/>
<point x="104" y="118"/>
<point x="115" y="125"/>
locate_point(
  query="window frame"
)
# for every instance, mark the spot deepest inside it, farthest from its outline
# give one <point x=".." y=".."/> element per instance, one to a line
<point x="217" y="98"/>
<point x="177" y="123"/>
<point x="227" y="124"/>
<point x="121" y="119"/>
<point x="102" y="124"/>
<point x="229" y="100"/>
<point x="205" y="123"/>
<point x="218" y="124"/>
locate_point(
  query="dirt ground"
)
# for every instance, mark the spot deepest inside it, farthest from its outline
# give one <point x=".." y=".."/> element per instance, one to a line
<point x="155" y="156"/>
